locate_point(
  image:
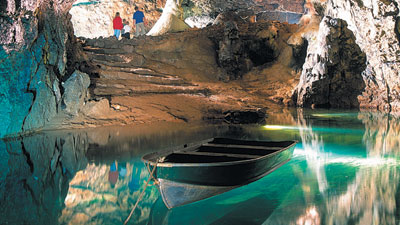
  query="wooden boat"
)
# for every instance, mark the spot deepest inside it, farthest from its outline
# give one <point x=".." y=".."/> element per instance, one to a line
<point x="201" y="170"/>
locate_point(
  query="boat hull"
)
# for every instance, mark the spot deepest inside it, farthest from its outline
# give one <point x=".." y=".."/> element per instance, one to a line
<point x="228" y="174"/>
<point x="201" y="170"/>
<point x="175" y="194"/>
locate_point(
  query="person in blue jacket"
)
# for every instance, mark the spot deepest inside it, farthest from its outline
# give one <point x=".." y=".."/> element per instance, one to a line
<point x="139" y="20"/>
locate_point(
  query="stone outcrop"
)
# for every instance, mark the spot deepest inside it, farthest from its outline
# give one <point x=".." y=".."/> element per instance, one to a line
<point x="281" y="5"/>
<point x="230" y="55"/>
<point x="33" y="59"/>
<point x="331" y="75"/>
<point x="75" y="92"/>
<point x="38" y="52"/>
<point x="374" y="25"/>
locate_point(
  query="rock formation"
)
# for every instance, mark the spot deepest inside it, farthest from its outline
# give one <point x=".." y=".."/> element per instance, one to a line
<point x="130" y="82"/>
<point x="33" y="60"/>
<point x="149" y="79"/>
<point x="171" y="20"/>
<point x="331" y="75"/>
<point x="373" y="24"/>
<point x="352" y="61"/>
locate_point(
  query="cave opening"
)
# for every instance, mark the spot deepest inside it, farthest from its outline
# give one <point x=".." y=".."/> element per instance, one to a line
<point x="259" y="51"/>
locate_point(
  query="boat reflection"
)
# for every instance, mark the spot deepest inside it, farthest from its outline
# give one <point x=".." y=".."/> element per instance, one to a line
<point x="223" y="209"/>
<point x="82" y="177"/>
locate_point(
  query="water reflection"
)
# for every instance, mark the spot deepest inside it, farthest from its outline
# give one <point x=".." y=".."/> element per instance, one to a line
<point x="369" y="195"/>
<point x="34" y="177"/>
<point x="345" y="170"/>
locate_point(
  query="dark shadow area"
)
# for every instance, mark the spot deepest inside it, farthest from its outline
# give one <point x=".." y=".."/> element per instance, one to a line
<point x="397" y="28"/>
<point x="259" y="51"/>
<point x="299" y="55"/>
<point x="17" y="4"/>
<point x="3" y="6"/>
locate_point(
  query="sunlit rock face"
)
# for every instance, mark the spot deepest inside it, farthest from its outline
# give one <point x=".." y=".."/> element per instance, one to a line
<point x="33" y="60"/>
<point x="92" y="19"/>
<point x="199" y="21"/>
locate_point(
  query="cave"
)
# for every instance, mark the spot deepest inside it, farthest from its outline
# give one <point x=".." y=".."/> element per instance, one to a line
<point x="81" y="107"/>
<point x="259" y="52"/>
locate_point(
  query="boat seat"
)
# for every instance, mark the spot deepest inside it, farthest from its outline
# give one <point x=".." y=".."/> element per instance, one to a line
<point x="220" y="154"/>
<point x="242" y="146"/>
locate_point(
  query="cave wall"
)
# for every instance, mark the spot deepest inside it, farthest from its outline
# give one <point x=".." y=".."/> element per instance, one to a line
<point x="36" y="35"/>
<point x="373" y="23"/>
<point x="33" y="60"/>
<point x="331" y="75"/>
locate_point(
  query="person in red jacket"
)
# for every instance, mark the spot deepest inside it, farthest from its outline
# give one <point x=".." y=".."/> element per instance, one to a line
<point x="117" y="25"/>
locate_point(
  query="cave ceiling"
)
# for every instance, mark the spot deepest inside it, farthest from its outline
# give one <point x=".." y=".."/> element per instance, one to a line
<point x="211" y="7"/>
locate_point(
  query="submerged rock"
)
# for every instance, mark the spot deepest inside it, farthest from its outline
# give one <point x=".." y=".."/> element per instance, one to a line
<point x="245" y="116"/>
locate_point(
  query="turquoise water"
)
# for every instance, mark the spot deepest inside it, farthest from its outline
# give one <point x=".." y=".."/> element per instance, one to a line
<point x="345" y="170"/>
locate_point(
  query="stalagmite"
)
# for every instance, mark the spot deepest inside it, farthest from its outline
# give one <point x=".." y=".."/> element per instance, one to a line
<point x="170" y="20"/>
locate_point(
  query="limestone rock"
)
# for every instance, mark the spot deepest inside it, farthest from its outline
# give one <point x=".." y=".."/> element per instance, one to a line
<point x="246" y="116"/>
<point x="32" y="55"/>
<point x="199" y="21"/>
<point x="75" y="92"/>
<point x="170" y="20"/>
<point x="230" y="52"/>
<point x="97" y="109"/>
<point x="373" y="23"/>
<point x="331" y="75"/>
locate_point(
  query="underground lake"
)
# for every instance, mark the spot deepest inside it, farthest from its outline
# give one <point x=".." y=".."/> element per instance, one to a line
<point x="345" y="169"/>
